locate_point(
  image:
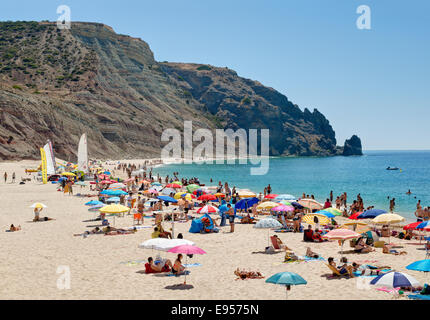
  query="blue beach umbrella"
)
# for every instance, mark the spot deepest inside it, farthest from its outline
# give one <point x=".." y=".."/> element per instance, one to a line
<point x="421" y="265"/>
<point x="156" y="184"/>
<point x="395" y="279"/>
<point x="285" y="197"/>
<point x="224" y="208"/>
<point x="246" y="203"/>
<point x="93" y="202"/>
<point x="370" y="214"/>
<point x="326" y="213"/>
<point x="167" y="199"/>
<point x="268" y="223"/>
<point x="287" y="279"/>
<point x="113" y="199"/>
<point x="423" y="225"/>
<point x="113" y="192"/>
<point x="297" y="205"/>
<point x="96" y="207"/>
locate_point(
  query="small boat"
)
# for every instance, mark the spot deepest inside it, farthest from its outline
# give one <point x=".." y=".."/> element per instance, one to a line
<point x="395" y="168"/>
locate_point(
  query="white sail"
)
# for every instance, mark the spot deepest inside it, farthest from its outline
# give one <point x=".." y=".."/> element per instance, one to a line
<point x="50" y="162"/>
<point x="83" y="154"/>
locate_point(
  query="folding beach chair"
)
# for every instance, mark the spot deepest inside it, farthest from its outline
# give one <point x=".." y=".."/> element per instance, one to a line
<point x="336" y="272"/>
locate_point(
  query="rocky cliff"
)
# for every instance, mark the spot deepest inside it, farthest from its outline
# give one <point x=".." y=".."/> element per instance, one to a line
<point x="58" y="84"/>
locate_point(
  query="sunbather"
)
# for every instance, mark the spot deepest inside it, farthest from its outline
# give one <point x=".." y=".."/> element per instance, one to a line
<point x="242" y="274"/>
<point x="280" y="243"/>
<point x="160" y="267"/>
<point x="43" y="219"/>
<point x="367" y="270"/>
<point x="13" y="228"/>
<point x="362" y="247"/>
<point x="343" y="268"/>
<point x="311" y="254"/>
<point x="178" y="268"/>
<point x="388" y="250"/>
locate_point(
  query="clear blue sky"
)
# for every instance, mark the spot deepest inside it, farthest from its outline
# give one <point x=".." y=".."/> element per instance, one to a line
<point x="374" y="83"/>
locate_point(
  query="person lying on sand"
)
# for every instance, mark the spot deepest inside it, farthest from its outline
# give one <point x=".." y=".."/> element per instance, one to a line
<point x="242" y="274"/>
<point x="160" y="267"/>
<point x="388" y="250"/>
<point x="367" y="270"/>
<point x="290" y="256"/>
<point x="13" y="228"/>
<point x="311" y="254"/>
<point x="96" y="230"/>
<point x="362" y="247"/>
<point x="42" y="219"/>
<point x="247" y="220"/>
<point x="111" y="231"/>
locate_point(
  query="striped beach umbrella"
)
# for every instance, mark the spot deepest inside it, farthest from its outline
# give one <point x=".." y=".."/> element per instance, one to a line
<point x="271" y="196"/>
<point x="395" y="279"/>
<point x="341" y="235"/>
<point x="322" y="219"/>
<point x="311" y="204"/>
<point x="267" y="205"/>
<point x="208" y="209"/>
<point x="334" y="211"/>
<point x="326" y="213"/>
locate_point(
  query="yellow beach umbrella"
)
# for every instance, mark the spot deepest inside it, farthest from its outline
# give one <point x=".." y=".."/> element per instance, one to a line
<point x="322" y="219"/>
<point x="356" y="226"/>
<point x="177" y="182"/>
<point x="69" y="174"/>
<point x="114" y="208"/>
<point x="267" y="205"/>
<point x="388" y="218"/>
<point x="246" y="194"/>
<point x="179" y="195"/>
<point x="38" y="205"/>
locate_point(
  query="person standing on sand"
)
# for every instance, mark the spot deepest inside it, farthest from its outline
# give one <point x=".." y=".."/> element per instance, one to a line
<point x="230" y="216"/>
<point x="5" y="177"/>
<point x="13" y="177"/>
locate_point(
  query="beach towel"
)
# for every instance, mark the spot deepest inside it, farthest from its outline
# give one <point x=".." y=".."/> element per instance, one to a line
<point x="305" y="258"/>
<point x="189" y="265"/>
<point x="174" y="275"/>
<point x="419" y="297"/>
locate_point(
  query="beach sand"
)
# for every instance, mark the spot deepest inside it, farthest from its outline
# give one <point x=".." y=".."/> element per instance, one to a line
<point x="31" y="257"/>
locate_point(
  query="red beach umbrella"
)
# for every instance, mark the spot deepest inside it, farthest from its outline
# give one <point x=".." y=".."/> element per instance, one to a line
<point x="207" y="197"/>
<point x="173" y="185"/>
<point x="271" y="196"/>
<point x="354" y="216"/>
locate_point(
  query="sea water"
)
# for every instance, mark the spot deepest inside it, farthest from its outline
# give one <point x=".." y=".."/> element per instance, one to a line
<point x="365" y="174"/>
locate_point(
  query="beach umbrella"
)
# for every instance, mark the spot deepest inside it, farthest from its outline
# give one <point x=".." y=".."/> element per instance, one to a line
<point x="96" y="207"/>
<point x="267" y="205"/>
<point x="103" y="176"/>
<point x="424" y="225"/>
<point x="38" y="205"/>
<point x="412" y="226"/>
<point x="129" y="180"/>
<point x="246" y="203"/>
<point x="167" y="199"/>
<point x="208" y="209"/>
<point x="326" y="213"/>
<point x="354" y="224"/>
<point x="370" y="214"/>
<point x="283" y="208"/>
<point x="164" y="244"/>
<point x="168" y="191"/>
<point x="178" y="195"/>
<point x="177" y="182"/>
<point x="117" y="186"/>
<point x="388" y="218"/>
<point x="113" y="192"/>
<point x="207" y="197"/>
<point x="395" y="279"/>
<point x="174" y="185"/>
<point x="153" y="191"/>
<point x="187" y="249"/>
<point x="93" y="203"/>
<point x="287" y="203"/>
<point x="285" y="197"/>
<point x="322" y="219"/>
<point x="192" y="187"/>
<point x="287" y="279"/>
<point x="296" y="205"/>
<point x="106" y="182"/>
<point x="219" y="194"/>
<point x="156" y="183"/>
<point x="355" y="216"/>
<point x="421" y="265"/>
<point x="246" y="194"/>
<point x="271" y="196"/>
<point x="107" y="173"/>
<point x="113" y="199"/>
<point x="341" y="235"/>
<point x="311" y="204"/>
<point x="69" y="174"/>
<point x="114" y="209"/>
<point x="159" y="188"/>
<point x="81" y="183"/>
<point x="268" y="223"/>
<point x="334" y="211"/>
<point x="224" y="207"/>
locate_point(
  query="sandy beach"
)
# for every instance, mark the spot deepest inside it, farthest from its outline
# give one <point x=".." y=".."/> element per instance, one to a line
<point x="110" y="267"/>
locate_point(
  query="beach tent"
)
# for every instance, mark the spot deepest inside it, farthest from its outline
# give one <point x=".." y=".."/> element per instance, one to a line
<point x="197" y="224"/>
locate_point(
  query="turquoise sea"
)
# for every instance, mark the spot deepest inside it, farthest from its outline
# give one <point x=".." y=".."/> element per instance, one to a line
<point x="365" y="174"/>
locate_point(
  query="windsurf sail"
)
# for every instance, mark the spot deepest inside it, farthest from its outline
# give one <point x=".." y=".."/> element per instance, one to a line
<point x="50" y="159"/>
<point x="83" y="154"/>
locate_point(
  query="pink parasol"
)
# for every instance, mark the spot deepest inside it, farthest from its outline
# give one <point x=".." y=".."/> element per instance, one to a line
<point x="283" y="208"/>
<point x="271" y="196"/>
<point x="187" y="249"/>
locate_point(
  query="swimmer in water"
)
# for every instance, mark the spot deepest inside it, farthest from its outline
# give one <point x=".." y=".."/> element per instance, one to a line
<point x="409" y="192"/>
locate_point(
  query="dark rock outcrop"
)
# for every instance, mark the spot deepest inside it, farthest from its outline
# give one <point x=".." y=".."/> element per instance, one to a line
<point x="56" y="84"/>
<point x="352" y="147"/>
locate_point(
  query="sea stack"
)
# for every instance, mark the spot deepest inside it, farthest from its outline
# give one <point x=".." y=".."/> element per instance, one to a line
<point x="352" y="147"/>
